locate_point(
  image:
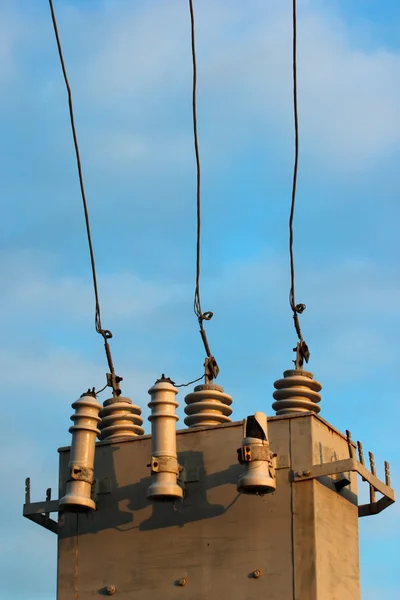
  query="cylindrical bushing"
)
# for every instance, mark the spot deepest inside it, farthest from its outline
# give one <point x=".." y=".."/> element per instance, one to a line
<point x="259" y="471"/>
<point x="208" y="405"/>
<point x="296" y="392"/>
<point x="164" y="462"/>
<point x="81" y="462"/>
<point x="120" y="418"/>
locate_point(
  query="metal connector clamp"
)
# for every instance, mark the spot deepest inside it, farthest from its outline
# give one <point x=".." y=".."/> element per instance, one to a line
<point x="254" y="452"/>
<point x="79" y="473"/>
<point x="164" y="464"/>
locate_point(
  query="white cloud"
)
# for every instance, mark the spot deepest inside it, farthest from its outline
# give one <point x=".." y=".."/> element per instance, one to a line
<point x="353" y="303"/>
<point x="35" y="290"/>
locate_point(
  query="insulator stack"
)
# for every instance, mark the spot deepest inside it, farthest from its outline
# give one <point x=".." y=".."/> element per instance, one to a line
<point x="120" y="418"/>
<point x="164" y="461"/>
<point x="207" y="405"/>
<point x="296" y="392"/>
<point x="81" y="462"/>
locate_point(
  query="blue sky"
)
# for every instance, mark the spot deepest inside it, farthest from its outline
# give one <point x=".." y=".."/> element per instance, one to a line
<point x="130" y="70"/>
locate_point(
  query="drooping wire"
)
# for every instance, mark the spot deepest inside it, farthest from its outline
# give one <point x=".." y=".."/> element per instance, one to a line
<point x="211" y="364"/>
<point x="197" y="303"/>
<point x="302" y="349"/>
<point x="105" y="333"/>
<point x="102" y="390"/>
<point x="189" y="382"/>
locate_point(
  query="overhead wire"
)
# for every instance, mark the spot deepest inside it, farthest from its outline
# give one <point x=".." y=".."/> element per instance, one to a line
<point x="302" y="349"/>
<point x="105" y="333"/>
<point x="211" y="365"/>
<point x="189" y="382"/>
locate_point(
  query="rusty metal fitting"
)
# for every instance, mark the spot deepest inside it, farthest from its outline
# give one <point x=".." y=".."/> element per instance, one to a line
<point x="80" y="473"/>
<point x="257" y="574"/>
<point x="165" y="464"/>
<point x="182" y="582"/>
<point x="254" y="452"/>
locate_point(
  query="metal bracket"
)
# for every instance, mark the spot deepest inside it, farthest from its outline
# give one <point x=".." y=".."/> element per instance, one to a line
<point x="164" y="464"/>
<point x="39" y="512"/>
<point x="211" y="368"/>
<point x="79" y="473"/>
<point x="253" y="452"/>
<point x="352" y="464"/>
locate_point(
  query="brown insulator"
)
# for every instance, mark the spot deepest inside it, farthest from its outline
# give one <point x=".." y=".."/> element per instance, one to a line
<point x="207" y="405"/>
<point x="296" y="392"/>
<point x="120" y="418"/>
<point x="78" y="496"/>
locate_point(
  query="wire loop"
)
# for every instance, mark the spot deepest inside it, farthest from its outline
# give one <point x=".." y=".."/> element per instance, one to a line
<point x="106" y="333"/>
<point x="207" y="316"/>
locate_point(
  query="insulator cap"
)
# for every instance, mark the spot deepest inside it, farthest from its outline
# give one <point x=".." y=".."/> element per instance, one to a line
<point x="120" y="418"/>
<point x="296" y="392"/>
<point x="207" y="405"/>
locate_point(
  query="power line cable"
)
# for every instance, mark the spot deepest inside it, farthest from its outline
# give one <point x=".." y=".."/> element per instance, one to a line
<point x="113" y="380"/>
<point x="189" y="382"/>
<point x="302" y="352"/>
<point x="211" y="366"/>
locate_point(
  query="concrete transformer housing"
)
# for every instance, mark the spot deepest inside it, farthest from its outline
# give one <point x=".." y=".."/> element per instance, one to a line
<point x="300" y="542"/>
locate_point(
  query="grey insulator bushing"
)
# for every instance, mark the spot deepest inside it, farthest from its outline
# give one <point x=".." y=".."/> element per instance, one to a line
<point x="296" y="392"/>
<point x="207" y="405"/>
<point x="120" y="418"/>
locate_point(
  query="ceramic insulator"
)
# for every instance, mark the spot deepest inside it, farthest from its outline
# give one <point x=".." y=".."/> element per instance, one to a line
<point x="296" y="392"/>
<point x="81" y="461"/>
<point x="207" y="405"/>
<point x="120" y="418"/>
<point x="164" y="462"/>
<point x="258" y="476"/>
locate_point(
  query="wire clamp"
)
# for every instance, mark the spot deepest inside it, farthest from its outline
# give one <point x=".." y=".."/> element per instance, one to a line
<point x="113" y="382"/>
<point x="302" y="354"/>
<point x="211" y="368"/>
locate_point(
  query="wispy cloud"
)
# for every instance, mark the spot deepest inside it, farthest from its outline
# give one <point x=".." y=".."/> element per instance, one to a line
<point x="348" y="96"/>
<point x="130" y="70"/>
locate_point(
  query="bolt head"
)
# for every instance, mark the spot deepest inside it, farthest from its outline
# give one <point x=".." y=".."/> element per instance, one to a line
<point x="306" y="473"/>
<point x="182" y="582"/>
<point x="111" y="589"/>
<point x="257" y="574"/>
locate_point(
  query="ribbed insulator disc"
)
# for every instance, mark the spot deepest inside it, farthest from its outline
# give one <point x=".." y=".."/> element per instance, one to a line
<point x="207" y="405"/>
<point x="296" y="392"/>
<point x="86" y="416"/>
<point x="120" y="418"/>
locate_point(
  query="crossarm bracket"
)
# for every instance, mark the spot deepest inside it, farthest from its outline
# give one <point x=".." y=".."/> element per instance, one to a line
<point x="346" y="465"/>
